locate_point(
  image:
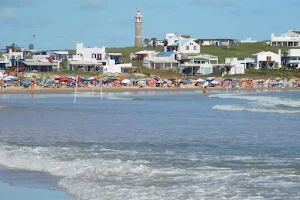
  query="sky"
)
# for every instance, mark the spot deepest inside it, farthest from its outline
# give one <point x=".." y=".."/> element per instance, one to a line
<point x="59" y="24"/>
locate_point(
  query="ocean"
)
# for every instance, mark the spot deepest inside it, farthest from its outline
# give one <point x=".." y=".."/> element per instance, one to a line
<point x="154" y="145"/>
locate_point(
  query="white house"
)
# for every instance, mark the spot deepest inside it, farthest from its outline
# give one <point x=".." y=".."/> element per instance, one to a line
<point x="14" y="55"/>
<point x="291" y="58"/>
<point x="216" y="41"/>
<point x="198" y="64"/>
<point x="237" y="66"/>
<point x="96" y="59"/>
<point x="7" y="59"/>
<point x="290" y="38"/>
<point x="204" y="59"/>
<point x="267" y="59"/>
<point x="191" y="68"/>
<point x="90" y="52"/>
<point x="184" y="46"/>
<point x="4" y="62"/>
<point x="181" y="45"/>
<point x="162" y="60"/>
<point x="248" y="40"/>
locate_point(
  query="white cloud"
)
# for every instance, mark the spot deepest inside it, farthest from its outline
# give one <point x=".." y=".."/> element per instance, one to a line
<point x="8" y="13"/>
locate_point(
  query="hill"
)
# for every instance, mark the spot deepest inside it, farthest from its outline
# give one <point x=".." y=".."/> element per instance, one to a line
<point x="239" y="51"/>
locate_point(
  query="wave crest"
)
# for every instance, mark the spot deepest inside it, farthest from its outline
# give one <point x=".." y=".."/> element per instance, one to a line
<point x="251" y="109"/>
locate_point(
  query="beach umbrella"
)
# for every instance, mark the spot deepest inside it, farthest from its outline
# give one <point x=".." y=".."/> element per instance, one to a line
<point x="49" y="81"/>
<point x="186" y="80"/>
<point x="10" y="78"/>
<point x="125" y="81"/>
<point x="218" y="79"/>
<point x="65" y="80"/>
<point x="25" y="82"/>
<point x="133" y="80"/>
<point x="84" y="79"/>
<point x="215" y="82"/>
<point x="200" y="80"/>
<point x="210" y="78"/>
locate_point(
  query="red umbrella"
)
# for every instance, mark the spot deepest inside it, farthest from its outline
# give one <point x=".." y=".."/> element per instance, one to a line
<point x="59" y="78"/>
<point x="64" y="80"/>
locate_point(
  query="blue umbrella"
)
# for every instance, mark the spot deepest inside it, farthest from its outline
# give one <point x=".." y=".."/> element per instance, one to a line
<point x="133" y="80"/>
<point x="50" y="81"/>
<point x="25" y="82"/>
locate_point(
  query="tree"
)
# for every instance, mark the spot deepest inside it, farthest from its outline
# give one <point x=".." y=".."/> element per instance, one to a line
<point x="146" y="42"/>
<point x="154" y="42"/>
<point x="165" y="42"/>
<point x="31" y="47"/>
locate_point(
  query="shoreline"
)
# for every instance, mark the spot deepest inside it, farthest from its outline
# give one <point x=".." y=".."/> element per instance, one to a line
<point x="36" y="183"/>
<point x="20" y="90"/>
<point x="16" y="192"/>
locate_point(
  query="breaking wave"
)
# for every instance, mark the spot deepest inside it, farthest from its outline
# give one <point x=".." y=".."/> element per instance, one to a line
<point x="265" y="104"/>
<point x="265" y="101"/>
<point x="121" y="98"/>
<point x="252" y="109"/>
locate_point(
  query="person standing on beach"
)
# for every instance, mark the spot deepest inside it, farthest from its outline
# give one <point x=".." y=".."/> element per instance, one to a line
<point x="1" y="80"/>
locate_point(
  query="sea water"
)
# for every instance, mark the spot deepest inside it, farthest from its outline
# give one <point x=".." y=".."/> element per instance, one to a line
<point x="157" y="145"/>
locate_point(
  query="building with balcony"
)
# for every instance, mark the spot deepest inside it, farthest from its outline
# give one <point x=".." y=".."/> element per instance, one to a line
<point x="96" y="59"/>
<point x="290" y="38"/>
<point x="267" y="60"/>
<point x="291" y="58"/>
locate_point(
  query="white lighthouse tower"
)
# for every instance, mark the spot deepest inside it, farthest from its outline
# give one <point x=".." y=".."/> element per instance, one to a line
<point x="138" y="29"/>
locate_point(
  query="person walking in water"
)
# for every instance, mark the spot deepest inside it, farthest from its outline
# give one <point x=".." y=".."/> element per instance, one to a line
<point x="32" y="88"/>
<point x="205" y="88"/>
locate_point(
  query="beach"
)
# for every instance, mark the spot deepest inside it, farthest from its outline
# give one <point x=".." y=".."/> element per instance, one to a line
<point x="154" y="145"/>
<point x="41" y="90"/>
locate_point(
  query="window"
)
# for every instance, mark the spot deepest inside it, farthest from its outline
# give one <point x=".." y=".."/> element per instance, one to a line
<point x="187" y="48"/>
<point x="195" y="48"/>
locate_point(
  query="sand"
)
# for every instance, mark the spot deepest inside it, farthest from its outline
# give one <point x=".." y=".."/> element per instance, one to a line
<point x="41" y="90"/>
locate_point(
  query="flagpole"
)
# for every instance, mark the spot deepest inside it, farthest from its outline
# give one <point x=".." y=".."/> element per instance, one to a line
<point x="93" y="89"/>
<point x="101" y="90"/>
<point x="76" y="89"/>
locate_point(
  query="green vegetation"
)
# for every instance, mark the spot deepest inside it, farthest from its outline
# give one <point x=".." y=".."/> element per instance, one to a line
<point x="240" y="51"/>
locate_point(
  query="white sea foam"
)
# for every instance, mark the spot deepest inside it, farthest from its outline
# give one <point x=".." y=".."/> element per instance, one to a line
<point x="264" y="104"/>
<point x="120" y="98"/>
<point x="115" y="179"/>
<point x="253" y="109"/>
<point x="265" y="101"/>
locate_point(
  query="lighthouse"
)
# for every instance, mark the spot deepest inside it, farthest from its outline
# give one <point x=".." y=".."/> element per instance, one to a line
<point x="138" y="29"/>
